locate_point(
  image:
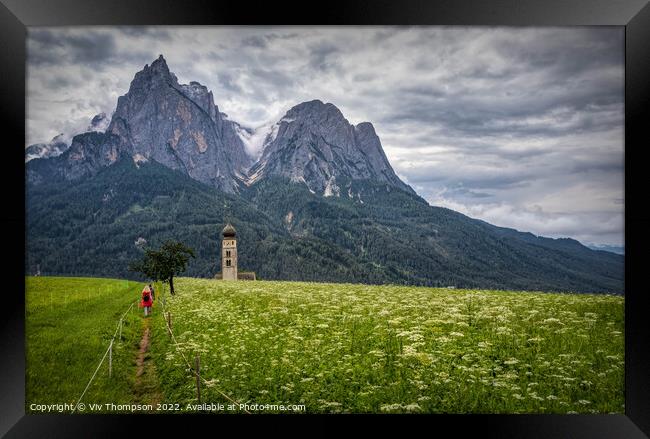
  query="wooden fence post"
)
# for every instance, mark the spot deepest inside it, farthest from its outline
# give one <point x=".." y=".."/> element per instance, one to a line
<point x="110" y="359"/>
<point x="197" y="365"/>
<point x="168" y="319"/>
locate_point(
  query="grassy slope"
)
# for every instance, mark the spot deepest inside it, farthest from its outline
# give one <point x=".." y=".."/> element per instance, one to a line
<point x="69" y="323"/>
<point x="357" y="348"/>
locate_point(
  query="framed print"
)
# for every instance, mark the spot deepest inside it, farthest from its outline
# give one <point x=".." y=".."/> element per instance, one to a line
<point x="385" y="214"/>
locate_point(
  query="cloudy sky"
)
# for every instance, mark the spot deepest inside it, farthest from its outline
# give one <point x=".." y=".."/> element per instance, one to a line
<point x="520" y="127"/>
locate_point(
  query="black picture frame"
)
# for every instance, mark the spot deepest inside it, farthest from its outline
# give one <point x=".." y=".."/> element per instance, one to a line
<point x="15" y="15"/>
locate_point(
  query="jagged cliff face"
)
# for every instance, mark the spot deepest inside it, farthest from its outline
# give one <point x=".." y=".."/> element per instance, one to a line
<point x="313" y="143"/>
<point x="86" y="156"/>
<point x="178" y="126"/>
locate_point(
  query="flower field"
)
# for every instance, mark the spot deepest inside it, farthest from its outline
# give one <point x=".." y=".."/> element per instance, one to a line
<point x="392" y="349"/>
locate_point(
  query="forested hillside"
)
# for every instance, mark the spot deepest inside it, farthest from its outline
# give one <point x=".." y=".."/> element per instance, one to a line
<point x="372" y="233"/>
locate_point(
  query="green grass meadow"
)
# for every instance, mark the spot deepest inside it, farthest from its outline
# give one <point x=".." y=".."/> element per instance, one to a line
<point x="69" y="323"/>
<point x="348" y="348"/>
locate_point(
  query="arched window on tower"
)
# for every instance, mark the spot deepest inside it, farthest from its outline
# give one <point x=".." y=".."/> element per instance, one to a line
<point x="227" y="262"/>
<point x="227" y="253"/>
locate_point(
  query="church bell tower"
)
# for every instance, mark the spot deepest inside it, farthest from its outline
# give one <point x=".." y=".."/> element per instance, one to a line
<point x="229" y="253"/>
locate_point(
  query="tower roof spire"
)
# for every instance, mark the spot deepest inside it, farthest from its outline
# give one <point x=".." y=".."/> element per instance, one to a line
<point x="229" y="231"/>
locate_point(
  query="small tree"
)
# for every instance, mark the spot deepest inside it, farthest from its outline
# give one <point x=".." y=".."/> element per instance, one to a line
<point x="163" y="264"/>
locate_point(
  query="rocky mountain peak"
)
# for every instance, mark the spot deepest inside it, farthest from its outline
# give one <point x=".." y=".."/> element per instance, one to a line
<point x="316" y="145"/>
<point x="159" y="66"/>
<point x="152" y="76"/>
<point x="99" y="122"/>
<point x="315" y="116"/>
<point x="315" y="110"/>
<point x="179" y="126"/>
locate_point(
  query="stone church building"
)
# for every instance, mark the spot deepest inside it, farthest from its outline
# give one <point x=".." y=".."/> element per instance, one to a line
<point x="229" y="253"/>
<point x="229" y="269"/>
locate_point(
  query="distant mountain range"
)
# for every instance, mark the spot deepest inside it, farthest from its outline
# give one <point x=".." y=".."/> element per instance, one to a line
<point x="608" y="248"/>
<point x="321" y="202"/>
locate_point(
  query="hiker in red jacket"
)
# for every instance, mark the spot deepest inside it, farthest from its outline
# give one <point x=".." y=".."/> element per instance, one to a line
<point x="147" y="300"/>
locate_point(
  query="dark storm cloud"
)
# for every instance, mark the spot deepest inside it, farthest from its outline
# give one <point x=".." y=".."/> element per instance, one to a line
<point x="47" y="48"/>
<point x="462" y="115"/>
<point x="227" y="80"/>
<point x="552" y="52"/>
<point x="143" y="32"/>
<point x="59" y="81"/>
<point x="262" y="41"/>
<point x="547" y="76"/>
<point x="89" y="48"/>
<point x="475" y="180"/>
<point x="521" y="127"/>
<point x="464" y="192"/>
<point x="364" y="77"/>
<point x="612" y="166"/>
<point x="384" y="34"/>
<point x="254" y="41"/>
<point x="272" y="77"/>
<point x="322" y="56"/>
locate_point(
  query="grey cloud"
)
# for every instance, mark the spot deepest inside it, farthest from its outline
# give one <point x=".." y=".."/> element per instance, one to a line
<point x="364" y="77"/>
<point x="227" y="80"/>
<point x="482" y="103"/>
<point x="386" y="33"/>
<point x="607" y="167"/>
<point x="272" y="78"/>
<point x="468" y="181"/>
<point x="321" y="56"/>
<point x="464" y="116"/>
<point x="146" y="31"/>
<point x="461" y="191"/>
<point x="213" y="55"/>
<point x="262" y="41"/>
<point x="47" y="48"/>
<point x="59" y="81"/>
<point x="88" y="48"/>
<point x="254" y="41"/>
<point x="551" y="50"/>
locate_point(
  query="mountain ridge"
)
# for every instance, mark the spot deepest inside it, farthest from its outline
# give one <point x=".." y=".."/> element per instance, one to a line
<point x="181" y="127"/>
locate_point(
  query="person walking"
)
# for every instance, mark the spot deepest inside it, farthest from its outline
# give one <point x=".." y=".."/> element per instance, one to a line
<point x="146" y="301"/>
<point x="153" y="293"/>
